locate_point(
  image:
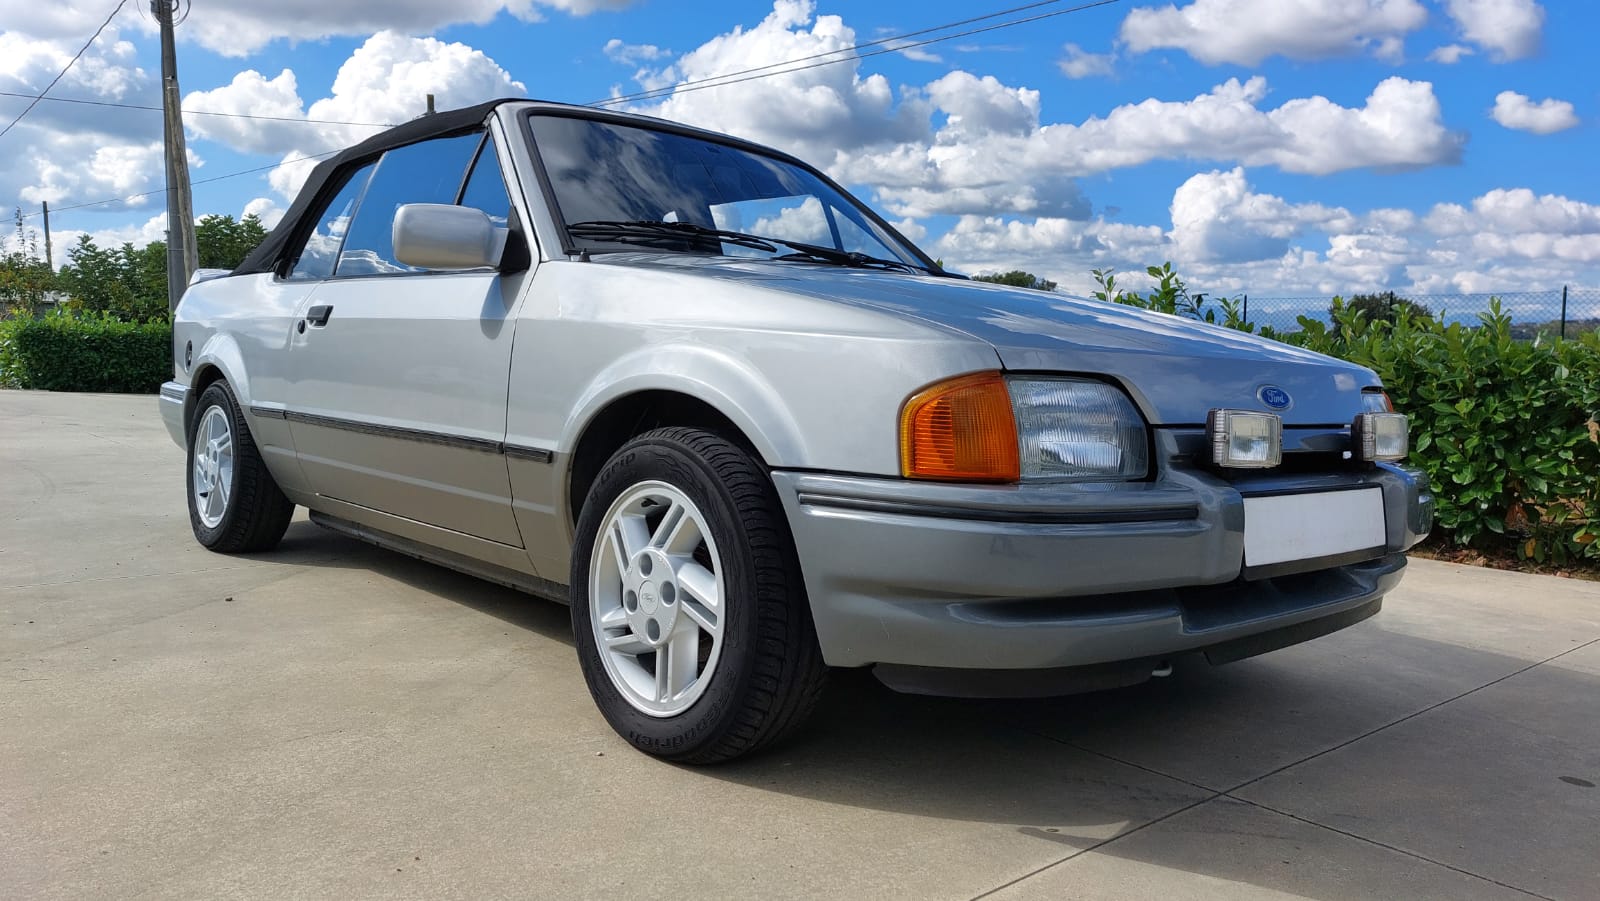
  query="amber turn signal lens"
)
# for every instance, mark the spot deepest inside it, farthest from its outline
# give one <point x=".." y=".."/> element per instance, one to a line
<point x="961" y="430"/>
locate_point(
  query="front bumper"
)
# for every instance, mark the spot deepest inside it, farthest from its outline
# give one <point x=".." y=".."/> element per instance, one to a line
<point x="1000" y="578"/>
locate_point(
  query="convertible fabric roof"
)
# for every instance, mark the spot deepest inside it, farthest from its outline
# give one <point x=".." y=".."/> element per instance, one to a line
<point x="269" y="253"/>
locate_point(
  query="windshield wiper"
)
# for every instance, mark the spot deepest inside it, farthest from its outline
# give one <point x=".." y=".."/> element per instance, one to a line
<point x="641" y="231"/>
<point x="813" y="253"/>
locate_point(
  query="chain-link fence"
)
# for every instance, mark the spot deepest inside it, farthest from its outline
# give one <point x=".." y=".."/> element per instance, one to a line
<point x="1560" y="311"/>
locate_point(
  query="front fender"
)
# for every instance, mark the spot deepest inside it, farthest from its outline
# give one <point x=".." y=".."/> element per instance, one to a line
<point x="725" y="382"/>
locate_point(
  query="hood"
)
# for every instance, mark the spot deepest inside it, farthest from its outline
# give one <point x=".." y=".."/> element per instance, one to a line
<point x="1175" y="369"/>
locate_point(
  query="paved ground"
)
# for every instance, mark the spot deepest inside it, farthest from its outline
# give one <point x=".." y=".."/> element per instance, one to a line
<point x="336" y="721"/>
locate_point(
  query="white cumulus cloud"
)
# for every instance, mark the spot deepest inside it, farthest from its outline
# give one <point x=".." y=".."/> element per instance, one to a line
<point x="241" y="29"/>
<point x="1508" y="29"/>
<point x="620" y="51"/>
<point x="1248" y="31"/>
<point x="1226" y="237"/>
<point x="1450" y="54"/>
<point x="384" y="81"/>
<point x="1216" y="217"/>
<point x="810" y="112"/>
<point x="249" y="94"/>
<point x="1545" y="117"/>
<point x="63" y="152"/>
<point x="1079" y="63"/>
<point x="994" y="155"/>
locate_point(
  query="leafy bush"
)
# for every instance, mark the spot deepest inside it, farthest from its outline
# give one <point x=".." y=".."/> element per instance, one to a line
<point x="1507" y="430"/>
<point x="1171" y="296"/>
<point x="92" y="352"/>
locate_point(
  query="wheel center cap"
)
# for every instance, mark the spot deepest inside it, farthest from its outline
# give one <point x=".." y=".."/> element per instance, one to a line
<point x="648" y="598"/>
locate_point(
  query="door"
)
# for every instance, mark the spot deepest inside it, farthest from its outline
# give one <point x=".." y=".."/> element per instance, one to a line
<point x="398" y="377"/>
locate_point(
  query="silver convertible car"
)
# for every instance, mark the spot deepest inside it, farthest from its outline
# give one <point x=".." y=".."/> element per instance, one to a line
<point x="692" y="387"/>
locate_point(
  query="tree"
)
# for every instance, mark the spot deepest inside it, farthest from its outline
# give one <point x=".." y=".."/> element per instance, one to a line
<point x="128" y="282"/>
<point x="224" y="242"/>
<point x="131" y="283"/>
<point x="1384" y="307"/>
<point x="25" y="279"/>
<point x="1016" y="278"/>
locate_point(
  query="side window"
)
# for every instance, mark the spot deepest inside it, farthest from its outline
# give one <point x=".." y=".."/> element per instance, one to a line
<point x="321" y="249"/>
<point x="426" y="172"/>
<point x="486" y="187"/>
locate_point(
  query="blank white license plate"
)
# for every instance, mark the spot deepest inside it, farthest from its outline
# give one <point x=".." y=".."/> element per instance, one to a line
<point x="1305" y="526"/>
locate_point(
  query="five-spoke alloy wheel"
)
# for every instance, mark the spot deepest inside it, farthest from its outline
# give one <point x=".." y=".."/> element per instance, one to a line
<point x="213" y="465"/>
<point x="234" y="504"/>
<point x="657" y="597"/>
<point x="691" y="618"/>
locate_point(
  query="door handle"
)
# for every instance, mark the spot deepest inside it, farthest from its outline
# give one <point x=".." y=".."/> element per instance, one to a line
<point x="318" y="315"/>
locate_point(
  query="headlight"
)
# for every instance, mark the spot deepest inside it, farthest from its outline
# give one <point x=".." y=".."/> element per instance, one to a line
<point x="1077" y="430"/>
<point x="990" y="428"/>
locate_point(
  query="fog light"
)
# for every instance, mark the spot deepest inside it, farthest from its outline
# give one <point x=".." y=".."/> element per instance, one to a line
<point x="1380" y="436"/>
<point x="1245" y="439"/>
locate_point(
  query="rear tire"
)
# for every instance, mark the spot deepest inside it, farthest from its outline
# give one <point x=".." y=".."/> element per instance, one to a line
<point x="689" y="613"/>
<point x="235" y="506"/>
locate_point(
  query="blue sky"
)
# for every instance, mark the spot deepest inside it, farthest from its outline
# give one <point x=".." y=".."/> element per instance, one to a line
<point x="1336" y="145"/>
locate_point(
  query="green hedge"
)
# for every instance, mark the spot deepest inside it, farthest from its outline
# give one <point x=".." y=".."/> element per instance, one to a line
<point x="1508" y="430"/>
<point x="63" y="352"/>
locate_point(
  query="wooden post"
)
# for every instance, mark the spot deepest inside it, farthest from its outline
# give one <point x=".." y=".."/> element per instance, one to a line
<point x="182" y="255"/>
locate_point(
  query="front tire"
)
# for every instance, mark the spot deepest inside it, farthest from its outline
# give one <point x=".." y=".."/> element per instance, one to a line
<point x="235" y="506"/>
<point x="690" y="617"/>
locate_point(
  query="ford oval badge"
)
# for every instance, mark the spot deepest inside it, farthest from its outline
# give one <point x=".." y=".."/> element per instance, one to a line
<point x="1274" y="397"/>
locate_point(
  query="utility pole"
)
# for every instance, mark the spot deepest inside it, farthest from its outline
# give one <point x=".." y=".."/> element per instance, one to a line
<point x="182" y="255"/>
<point x="48" y="259"/>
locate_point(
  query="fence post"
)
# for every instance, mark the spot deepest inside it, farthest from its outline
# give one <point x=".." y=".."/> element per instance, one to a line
<point x="1563" y="312"/>
<point x="1247" y="309"/>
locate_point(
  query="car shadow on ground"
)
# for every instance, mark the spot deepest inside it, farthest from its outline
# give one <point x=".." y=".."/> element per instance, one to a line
<point x="307" y="544"/>
<point x="1079" y="770"/>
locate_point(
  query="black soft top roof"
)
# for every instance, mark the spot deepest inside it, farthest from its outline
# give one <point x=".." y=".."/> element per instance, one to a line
<point x="269" y="253"/>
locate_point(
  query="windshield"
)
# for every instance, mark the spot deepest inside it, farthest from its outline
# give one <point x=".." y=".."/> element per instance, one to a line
<point x="630" y="180"/>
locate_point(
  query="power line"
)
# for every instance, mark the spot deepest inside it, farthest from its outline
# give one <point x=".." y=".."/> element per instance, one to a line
<point x="640" y="95"/>
<point x="733" y="77"/>
<point x="715" y="81"/>
<point x="192" y="112"/>
<point x="895" y="49"/>
<point x="59" y="75"/>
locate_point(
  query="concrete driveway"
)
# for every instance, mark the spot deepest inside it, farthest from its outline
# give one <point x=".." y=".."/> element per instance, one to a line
<point x="332" y="720"/>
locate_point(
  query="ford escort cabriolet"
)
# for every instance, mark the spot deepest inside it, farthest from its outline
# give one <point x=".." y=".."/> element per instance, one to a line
<point x="749" y="432"/>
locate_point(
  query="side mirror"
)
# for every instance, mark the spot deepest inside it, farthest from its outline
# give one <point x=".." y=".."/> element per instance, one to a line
<point x="442" y="236"/>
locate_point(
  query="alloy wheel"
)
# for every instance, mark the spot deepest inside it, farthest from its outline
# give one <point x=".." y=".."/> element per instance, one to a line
<point x="656" y="598"/>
